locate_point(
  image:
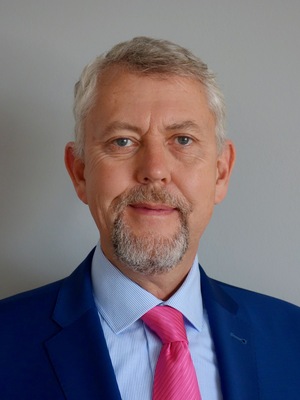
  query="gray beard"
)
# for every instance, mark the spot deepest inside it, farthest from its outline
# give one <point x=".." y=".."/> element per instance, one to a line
<point x="150" y="253"/>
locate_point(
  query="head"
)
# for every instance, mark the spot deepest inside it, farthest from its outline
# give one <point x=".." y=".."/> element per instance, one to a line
<point x="150" y="156"/>
<point x="146" y="56"/>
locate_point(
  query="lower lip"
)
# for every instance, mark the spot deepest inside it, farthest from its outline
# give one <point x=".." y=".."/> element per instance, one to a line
<point x="153" y="211"/>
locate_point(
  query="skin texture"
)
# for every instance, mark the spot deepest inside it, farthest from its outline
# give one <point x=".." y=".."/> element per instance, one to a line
<point x="157" y="132"/>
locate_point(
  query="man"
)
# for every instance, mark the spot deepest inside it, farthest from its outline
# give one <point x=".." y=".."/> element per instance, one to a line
<point x="151" y="160"/>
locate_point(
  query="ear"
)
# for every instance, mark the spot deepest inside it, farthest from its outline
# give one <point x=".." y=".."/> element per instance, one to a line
<point x="225" y="163"/>
<point x="75" y="167"/>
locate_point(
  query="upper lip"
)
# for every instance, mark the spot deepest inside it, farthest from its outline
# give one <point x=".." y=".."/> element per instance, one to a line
<point x="153" y="206"/>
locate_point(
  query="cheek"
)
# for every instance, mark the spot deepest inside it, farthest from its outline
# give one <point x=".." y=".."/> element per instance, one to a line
<point x="200" y="192"/>
<point x="198" y="187"/>
<point x="104" y="184"/>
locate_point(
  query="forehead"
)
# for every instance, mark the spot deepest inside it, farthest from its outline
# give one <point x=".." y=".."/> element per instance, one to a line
<point x="123" y="94"/>
<point x="117" y="76"/>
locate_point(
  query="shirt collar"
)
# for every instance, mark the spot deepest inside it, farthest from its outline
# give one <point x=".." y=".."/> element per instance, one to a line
<point x="121" y="302"/>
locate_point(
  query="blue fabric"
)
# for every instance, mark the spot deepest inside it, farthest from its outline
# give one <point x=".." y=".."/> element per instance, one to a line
<point x="133" y="348"/>
<point x="52" y="345"/>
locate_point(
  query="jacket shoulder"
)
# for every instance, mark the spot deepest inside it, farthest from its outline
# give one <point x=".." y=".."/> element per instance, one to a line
<point x="28" y="312"/>
<point x="45" y="296"/>
<point x="265" y="312"/>
<point x="251" y="297"/>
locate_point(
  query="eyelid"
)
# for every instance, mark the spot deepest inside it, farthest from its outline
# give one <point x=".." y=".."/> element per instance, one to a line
<point x="186" y="136"/>
<point x="122" y="138"/>
<point x="129" y="144"/>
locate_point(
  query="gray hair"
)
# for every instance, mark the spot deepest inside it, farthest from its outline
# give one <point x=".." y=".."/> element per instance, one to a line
<point x="147" y="56"/>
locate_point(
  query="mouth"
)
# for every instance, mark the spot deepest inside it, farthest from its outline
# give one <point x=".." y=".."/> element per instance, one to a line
<point x="152" y="208"/>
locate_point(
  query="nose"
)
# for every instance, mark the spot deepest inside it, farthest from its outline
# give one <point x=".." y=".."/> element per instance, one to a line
<point x="154" y="165"/>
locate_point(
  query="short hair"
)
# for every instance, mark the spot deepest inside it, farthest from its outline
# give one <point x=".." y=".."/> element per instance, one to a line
<point x="146" y="56"/>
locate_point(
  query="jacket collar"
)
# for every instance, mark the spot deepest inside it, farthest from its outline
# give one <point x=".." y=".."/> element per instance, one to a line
<point x="233" y="339"/>
<point x="80" y="357"/>
<point x="78" y="353"/>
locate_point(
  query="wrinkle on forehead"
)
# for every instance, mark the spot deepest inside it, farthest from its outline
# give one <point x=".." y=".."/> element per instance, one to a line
<point x="160" y="111"/>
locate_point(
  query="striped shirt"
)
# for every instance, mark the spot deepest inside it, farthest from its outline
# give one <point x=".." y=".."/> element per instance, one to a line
<point x="133" y="348"/>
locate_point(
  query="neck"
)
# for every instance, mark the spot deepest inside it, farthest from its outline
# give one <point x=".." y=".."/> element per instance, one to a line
<point x="161" y="285"/>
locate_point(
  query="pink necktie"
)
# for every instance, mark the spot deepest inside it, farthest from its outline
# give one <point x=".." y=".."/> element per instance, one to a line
<point x="175" y="376"/>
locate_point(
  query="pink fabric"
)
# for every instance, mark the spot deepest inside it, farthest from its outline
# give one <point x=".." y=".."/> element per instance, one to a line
<point x="175" y="376"/>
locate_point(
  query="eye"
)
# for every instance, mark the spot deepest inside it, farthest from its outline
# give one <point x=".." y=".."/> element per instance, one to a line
<point x="183" y="140"/>
<point x="123" y="142"/>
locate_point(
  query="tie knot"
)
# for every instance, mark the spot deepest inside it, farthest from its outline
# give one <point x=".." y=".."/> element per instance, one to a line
<point x="167" y="323"/>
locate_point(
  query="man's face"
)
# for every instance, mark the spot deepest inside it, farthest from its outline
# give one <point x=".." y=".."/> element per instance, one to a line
<point x="151" y="173"/>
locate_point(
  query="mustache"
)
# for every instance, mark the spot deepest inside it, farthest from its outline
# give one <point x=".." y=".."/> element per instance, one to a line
<point x="154" y="195"/>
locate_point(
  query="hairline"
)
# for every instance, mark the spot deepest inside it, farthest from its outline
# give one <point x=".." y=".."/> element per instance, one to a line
<point x="101" y="65"/>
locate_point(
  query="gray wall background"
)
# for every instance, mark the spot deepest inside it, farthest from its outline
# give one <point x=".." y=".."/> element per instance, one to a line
<point x="253" y="239"/>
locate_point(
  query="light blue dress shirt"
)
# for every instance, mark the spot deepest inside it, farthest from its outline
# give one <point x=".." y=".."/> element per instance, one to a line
<point x="133" y="348"/>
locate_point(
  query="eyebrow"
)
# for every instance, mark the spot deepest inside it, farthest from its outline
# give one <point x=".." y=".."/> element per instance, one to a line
<point x="184" y="126"/>
<point x="121" y="126"/>
<point x="187" y="125"/>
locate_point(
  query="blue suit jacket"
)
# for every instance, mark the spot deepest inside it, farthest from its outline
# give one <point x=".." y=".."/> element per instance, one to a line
<point x="52" y="345"/>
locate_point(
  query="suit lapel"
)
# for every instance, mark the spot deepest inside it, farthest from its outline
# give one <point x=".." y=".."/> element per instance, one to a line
<point x="80" y="357"/>
<point x="78" y="353"/>
<point x="231" y="332"/>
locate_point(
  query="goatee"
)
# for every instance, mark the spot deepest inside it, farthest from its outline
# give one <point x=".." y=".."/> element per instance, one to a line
<point x="152" y="252"/>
